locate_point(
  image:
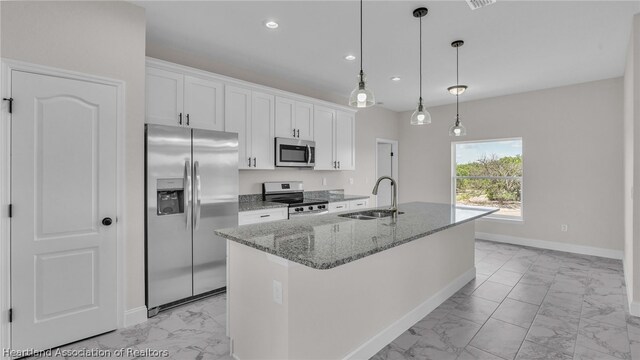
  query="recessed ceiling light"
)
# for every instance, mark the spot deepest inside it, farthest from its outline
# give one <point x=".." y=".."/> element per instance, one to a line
<point x="395" y="78"/>
<point x="271" y="24"/>
<point x="350" y="57"/>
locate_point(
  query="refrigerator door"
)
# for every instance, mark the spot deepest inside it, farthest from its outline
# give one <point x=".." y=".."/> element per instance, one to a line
<point x="215" y="182"/>
<point x="169" y="214"/>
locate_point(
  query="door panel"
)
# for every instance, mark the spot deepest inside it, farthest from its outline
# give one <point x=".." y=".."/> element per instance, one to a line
<point x="216" y="193"/>
<point x="203" y="103"/>
<point x="63" y="275"/>
<point x="262" y="143"/>
<point x="285" y="117"/>
<point x="304" y="120"/>
<point x="169" y="265"/>
<point x="345" y="145"/>
<point x="323" y="136"/>
<point x="164" y="97"/>
<point x="237" y="108"/>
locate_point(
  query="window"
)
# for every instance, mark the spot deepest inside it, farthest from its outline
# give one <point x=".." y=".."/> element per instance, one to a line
<point x="489" y="173"/>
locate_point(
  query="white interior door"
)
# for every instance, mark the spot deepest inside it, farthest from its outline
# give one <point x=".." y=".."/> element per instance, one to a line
<point x="385" y="166"/>
<point x="63" y="189"/>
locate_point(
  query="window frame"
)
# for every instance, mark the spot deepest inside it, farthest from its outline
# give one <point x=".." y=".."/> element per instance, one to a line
<point x="454" y="178"/>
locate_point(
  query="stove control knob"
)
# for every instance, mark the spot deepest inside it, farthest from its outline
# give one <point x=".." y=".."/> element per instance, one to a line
<point x="321" y="207"/>
<point x="310" y="207"/>
<point x="298" y="209"/>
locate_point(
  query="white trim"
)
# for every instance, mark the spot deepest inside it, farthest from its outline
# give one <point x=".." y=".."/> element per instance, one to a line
<point x="394" y="161"/>
<point x="207" y="75"/>
<point x="386" y="336"/>
<point x="135" y="316"/>
<point x="634" y="306"/>
<point x="552" y="245"/>
<point x="8" y="65"/>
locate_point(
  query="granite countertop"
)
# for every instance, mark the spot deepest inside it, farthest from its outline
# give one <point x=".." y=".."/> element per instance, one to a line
<point x="327" y="241"/>
<point x="259" y="205"/>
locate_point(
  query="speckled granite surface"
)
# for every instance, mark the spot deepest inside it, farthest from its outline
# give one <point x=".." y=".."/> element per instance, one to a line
<point x="258" y="205"/>
<point x="327" y="241"/>
<point x="254" y="201"/>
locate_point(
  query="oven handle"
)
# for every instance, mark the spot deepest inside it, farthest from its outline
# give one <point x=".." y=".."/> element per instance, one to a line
<point x="308" y="213"/>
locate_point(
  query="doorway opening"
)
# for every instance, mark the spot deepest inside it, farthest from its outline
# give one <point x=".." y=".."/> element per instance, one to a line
<point x="386" y="165"/>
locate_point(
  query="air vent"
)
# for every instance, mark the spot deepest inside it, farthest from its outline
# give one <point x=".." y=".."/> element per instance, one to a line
<point x="477" y="4"/>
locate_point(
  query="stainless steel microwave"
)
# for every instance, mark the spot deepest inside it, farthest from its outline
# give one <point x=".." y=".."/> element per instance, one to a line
<point x="295" y="153"/>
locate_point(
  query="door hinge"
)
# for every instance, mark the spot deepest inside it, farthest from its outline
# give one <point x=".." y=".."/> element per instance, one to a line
<point x="10" y="100"/>
<point x="10" y="315"/>
<point x="10" y="210"/>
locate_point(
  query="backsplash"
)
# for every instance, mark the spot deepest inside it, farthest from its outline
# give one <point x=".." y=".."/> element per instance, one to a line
<point x="318" y="194"/>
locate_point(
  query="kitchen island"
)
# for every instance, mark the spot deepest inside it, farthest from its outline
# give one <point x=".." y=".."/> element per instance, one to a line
<point x="334" y="287"/>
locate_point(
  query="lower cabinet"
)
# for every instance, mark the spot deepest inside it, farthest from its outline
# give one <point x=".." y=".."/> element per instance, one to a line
<point x="348" y="205"/>
<point x="262" y="216"/>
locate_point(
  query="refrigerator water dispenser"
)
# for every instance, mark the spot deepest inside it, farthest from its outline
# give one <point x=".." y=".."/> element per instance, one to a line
<point x="170" y="196"/>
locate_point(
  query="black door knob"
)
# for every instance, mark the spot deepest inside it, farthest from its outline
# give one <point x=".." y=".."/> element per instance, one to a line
<point x="107" y="221"/>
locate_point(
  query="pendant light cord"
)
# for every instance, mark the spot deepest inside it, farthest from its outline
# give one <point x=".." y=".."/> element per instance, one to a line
<point x="420" y="60"/>
<point x="360" y="36"/>
<point x="457" y="88"/>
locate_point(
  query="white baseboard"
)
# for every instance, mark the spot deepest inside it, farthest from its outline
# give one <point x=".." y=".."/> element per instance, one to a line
<point x="135" y="316"/>
<point x="552" y="245"/>
<point x="386" y="336"/>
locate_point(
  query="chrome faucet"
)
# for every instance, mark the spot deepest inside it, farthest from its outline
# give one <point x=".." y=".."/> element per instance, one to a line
<point x="394" y="199"/>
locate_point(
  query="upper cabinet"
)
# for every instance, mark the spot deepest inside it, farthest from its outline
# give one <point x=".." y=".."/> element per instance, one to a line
<point x="177" y="95"/>
<point x="334" y="132"/>
<point x="294" y="119"/>
<point x="251" y="115"/>
<point x="177" y="99"/>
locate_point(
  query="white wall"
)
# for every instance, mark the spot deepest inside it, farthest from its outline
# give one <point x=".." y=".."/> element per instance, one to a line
<point x="99" y="38"/>
<point x="371" y="123"/>
<point x="632" y="168"/>
<point x="572" y="145"/>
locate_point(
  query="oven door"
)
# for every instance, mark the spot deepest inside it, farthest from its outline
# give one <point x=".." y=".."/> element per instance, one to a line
<point x="295" y="153"/>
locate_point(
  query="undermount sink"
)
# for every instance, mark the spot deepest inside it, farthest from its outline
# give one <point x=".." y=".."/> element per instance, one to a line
<point x="369" y="214"/>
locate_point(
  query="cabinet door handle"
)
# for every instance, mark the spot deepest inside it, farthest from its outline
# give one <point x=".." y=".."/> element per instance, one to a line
<point x="187" y="119"/>
<point x="254" y="162"/>
<point x="338" y="164"/>
<point x="180" y="119"/>
<point x="294" y="132"/>
<point x="249" y="162"/>
<point x="264" y="216"/>
<point x="298" y="133"/>
<point x="335" y="164"/>
<point x="339" y="207"/>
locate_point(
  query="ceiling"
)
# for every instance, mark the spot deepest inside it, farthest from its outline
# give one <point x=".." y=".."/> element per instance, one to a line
<point x="510" y="46"/>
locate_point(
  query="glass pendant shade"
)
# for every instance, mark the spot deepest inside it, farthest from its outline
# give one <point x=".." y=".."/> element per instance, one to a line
<point x="362" y="97"/>
<point x="421" y="116"/>
<point x="457" y="129"/>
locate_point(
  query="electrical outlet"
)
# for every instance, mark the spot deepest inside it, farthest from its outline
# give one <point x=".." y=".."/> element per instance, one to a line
<point x="324" y="181"/>
<point x="277" y="292"/>
<point x="564" y="227"/>
<point x="350" y="181"/>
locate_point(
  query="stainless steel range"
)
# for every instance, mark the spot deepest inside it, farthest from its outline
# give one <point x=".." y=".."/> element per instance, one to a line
<point x="292" y="194"/>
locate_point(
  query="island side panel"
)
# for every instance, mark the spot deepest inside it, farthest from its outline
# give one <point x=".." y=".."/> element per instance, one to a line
<point x="258" y="326"/>
<point x="334" y="312"/>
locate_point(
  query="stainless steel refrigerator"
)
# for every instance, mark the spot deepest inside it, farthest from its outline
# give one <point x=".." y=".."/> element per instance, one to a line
<point x="191" y="189"/>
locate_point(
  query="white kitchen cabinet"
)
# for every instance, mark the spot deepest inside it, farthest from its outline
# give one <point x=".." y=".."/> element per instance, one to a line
<point x="334" y="134"/>
<point x="262" y="216"/>
<point x="338" y="206"/>
<point x="293" y="119"/>
<point x="251" y="115"/>
<point x="358" y="204"/>
<point x="262" y="124"/>
<point x="178" y="99"/>
<point x="164" y="97"/>
<point x="345" y="140"/>
<point x="323" y="132"/>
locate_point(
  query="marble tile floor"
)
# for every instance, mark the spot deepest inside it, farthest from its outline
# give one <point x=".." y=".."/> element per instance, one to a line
<point x="528" y="303"/>
<point x="525" y="303"/>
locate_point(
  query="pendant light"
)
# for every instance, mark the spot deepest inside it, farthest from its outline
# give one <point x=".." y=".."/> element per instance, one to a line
<point x="457" y="129"/>
<point x="361" y="97"/>
<point x="420" y="116"/>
